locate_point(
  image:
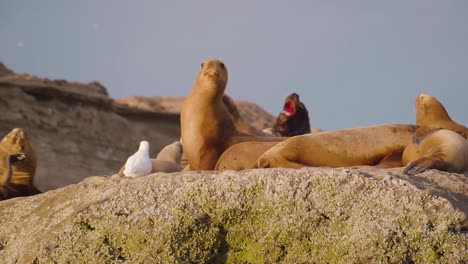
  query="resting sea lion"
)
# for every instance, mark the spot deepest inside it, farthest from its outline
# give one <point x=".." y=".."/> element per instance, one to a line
<point x="19" y="165"/>
<point x="243" y="155"/>
<point x="439" y="149"/>
<point x="431" y="113"/>
<point x="340" y="148"/>
<point x="171" y="152"/>
<point x="207" y="128"/>
<point x="293" y="120"/>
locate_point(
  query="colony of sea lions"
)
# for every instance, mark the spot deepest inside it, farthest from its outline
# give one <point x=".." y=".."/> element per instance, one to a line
<point x="214" y="136"/>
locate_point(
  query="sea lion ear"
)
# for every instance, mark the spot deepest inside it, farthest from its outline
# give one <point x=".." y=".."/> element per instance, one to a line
<point x="202" y="65"/>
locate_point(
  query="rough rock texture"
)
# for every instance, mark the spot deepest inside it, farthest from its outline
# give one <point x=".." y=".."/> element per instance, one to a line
<point x="76" y="129"/>
<point x="252" y="113"/>
<point x="321" y="215"/>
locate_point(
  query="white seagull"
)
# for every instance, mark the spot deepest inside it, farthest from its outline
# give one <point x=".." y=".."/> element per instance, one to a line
<point x="139" y="164"/>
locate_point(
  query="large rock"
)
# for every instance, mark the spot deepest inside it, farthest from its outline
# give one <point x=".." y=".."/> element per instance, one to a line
<point x="321" y="215"/>
<point x="77" y="129"/>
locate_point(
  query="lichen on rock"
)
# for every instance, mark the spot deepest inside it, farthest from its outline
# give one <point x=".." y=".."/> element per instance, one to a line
<point x="322" y="215"/>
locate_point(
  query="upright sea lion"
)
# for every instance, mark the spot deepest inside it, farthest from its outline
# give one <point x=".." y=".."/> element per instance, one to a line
<point x="206" y="126"/>
<point x="340" y="148"/>
<point x="431" y="113"/>
<point x="19" y="165"/>
<point x="293" y="120"/>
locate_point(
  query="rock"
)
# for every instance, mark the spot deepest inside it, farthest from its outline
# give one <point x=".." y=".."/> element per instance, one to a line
<point x="321" y="215"/>
<point x="76" y="129"/>
<point x="4" y="71"/>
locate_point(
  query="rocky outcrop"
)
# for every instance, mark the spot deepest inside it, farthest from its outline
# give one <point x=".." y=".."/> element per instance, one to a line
<point x="77" y="129"/>
<point x="320" y="215"/>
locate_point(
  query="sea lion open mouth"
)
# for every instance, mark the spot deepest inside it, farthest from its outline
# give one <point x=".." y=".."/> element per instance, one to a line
<point x="289" y="108"/>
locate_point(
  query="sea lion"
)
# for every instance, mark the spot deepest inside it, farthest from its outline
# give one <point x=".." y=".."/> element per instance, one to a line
<point x="340" y="148"/>
<point x="293" y="120"/>
<point x="207" y="128"/>
<point x="19" y="165"/>
<point x="243" y="155"/>
<point x="439" y="149"/>
<point x="171" y="152"/>
<point x="431" y="113"/>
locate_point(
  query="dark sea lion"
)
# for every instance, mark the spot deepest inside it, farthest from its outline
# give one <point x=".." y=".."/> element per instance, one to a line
<point x="19" y="165"/>
<point x="293" y="120"/>
<point x="207" y="128"/>
<point x="340" y="148"/>
<point x="431" y="113"/>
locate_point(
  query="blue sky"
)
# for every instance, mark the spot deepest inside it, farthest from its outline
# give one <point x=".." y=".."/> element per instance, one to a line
<point x="354" y="63"/>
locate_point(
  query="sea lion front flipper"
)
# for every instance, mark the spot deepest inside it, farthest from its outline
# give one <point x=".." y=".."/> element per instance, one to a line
<point x="7" y="161"/>
<point x="392" y="160"/>
<point x="425" y="163"/>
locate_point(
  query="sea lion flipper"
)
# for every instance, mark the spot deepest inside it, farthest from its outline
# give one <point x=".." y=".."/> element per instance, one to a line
<point x="7" y="162"/>
<point x="424" y="164"/>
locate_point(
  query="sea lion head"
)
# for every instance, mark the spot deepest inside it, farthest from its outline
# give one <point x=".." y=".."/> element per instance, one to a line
<point x="16" y="140"/>
<point x="294" y="118"/>
<point x="213" y="75"/>
<point x="429" y="110"/>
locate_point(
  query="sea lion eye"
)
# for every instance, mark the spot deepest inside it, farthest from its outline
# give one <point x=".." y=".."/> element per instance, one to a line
<point x="202" y="64"/>
<point x="222" y="65"/>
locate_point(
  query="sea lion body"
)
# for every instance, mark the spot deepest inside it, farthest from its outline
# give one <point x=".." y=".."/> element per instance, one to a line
<point x="432" y="114"/>
<point x="340" y="148"/>
<point x="243" y="155"/>
<point x="171" y="152"/>
<point x="442" y="149"/>
<point x="207" y="128"/>
<point x="22" y="170"/>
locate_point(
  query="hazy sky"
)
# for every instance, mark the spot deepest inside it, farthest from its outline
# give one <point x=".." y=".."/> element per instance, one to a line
<point x="353" y="63"/>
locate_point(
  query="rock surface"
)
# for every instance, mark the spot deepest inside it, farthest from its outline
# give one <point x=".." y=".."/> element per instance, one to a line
<point x="322" y="215"/>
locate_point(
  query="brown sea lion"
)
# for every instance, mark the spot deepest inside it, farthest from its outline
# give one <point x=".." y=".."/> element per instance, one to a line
<point x="431" y="113"/>
<point x="243" y="155"/>
<point x="206" y="126"/>
<point x="20" y="165"/>
<point x="340" y="148"/>
<point x="439" y="149"/>
<point x="171" y="152"/>
<point x="293" y="120"/>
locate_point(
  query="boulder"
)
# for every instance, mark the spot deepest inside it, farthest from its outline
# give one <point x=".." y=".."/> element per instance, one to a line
<point x="320" y="215"/>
